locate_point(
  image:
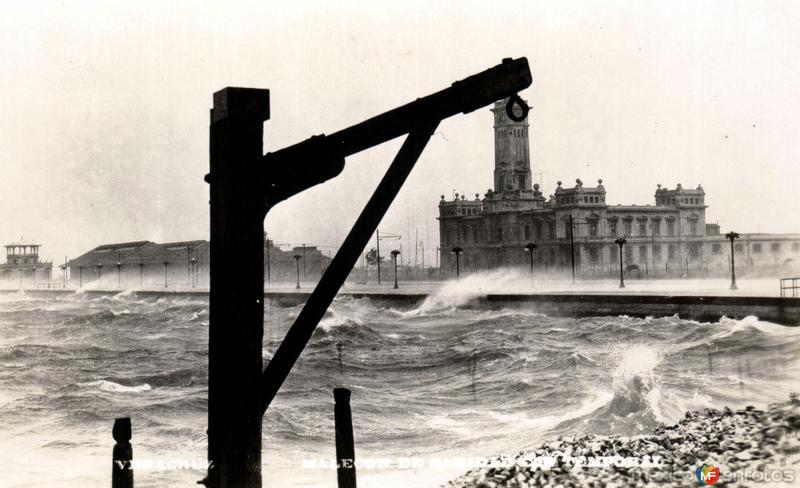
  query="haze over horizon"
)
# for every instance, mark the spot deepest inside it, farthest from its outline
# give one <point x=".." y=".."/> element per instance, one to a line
<point x="105" y="134"/>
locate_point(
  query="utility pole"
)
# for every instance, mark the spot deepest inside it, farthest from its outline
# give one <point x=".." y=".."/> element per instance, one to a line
<point x="378" y="252"/>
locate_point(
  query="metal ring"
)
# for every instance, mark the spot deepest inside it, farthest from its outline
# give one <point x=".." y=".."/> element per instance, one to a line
<point x="516" y="100"/>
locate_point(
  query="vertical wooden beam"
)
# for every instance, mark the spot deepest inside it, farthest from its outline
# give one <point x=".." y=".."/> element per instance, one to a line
<point x="236" y="307"/>
<point x="345" y="450"/>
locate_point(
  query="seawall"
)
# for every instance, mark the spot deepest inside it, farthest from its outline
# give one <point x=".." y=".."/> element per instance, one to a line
<point x="697" y="307"/>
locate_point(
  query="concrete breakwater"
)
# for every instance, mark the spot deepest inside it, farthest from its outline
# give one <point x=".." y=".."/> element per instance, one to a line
<point x="696" y="307"/>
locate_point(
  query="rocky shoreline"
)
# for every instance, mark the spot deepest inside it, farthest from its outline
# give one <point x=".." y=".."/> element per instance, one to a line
<point x="748" y="446"/>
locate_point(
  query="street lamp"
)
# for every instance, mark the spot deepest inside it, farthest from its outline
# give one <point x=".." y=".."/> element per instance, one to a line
<point x="194" y="274"/>
<point x="572" y="244"/>
<point x="297" y="259"/>
<point x="529" y="247"/>
<point x="99" y="270"/>
<point x="731" y="236"/>
<point x="394" y="258"/>
<point x="165" y="263"/>
<point x="620" y="242"/>
<point x="119" y="274"/>
<point x="457" y="251"/>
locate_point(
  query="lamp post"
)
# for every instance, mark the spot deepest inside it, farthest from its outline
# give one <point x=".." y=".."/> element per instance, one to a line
<point x="457" y="251"/>
<point x="119" y="274"/>
<point x="80" y="276"/>
<point x="99" y="270"/>
<point x="141" y="274"/>
<point x="572" y="244"/>
<point x="194" y="274"/>
<point x="620" y="242"/>
<point x="731" y="236"/>
<point x="297" y="259"/>
<point x="165" y="263"/>
<point x="394" y="254"/>
<point x="529" y="247"/>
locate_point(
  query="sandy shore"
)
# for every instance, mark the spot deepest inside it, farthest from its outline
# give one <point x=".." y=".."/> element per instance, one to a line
<point x="749" y="447"/>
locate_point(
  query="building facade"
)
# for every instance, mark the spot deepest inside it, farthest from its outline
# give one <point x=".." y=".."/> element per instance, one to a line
<point x="669" y="236"/>
<point x="184" y="264"/>
<point x="24" y="266"/>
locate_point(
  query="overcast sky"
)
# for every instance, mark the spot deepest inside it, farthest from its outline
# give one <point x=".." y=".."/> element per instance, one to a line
<point x="105" y="107"/>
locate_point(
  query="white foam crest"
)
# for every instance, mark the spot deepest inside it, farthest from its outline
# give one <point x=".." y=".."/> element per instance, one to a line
<point x="459" y="292"/>
<point x="338" y="319"/>
<point x="112" y="387"/>
<point x="544" y="423"/>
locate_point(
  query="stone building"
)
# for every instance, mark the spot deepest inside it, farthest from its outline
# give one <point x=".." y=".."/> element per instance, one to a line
<point x="666" y="237"/>
<point x="23" y="265"/>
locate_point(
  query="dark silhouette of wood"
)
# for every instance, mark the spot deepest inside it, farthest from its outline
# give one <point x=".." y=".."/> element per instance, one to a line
<point x="121" y="469"/>
<point x="236" y="298"/>
<point x="345" y="449"/>
<point x="244" y="185"/>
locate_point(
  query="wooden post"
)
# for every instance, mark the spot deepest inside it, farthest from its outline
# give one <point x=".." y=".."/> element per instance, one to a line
<point x="345" y="451"/>
<point x="121" y="469"/>
<point x="236" y="297"/>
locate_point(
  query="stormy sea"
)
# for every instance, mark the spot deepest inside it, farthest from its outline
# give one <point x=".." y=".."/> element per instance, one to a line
<point x="433" y="384"/>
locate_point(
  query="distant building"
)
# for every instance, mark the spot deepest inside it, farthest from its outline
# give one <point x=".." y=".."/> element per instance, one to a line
<point x="669" y="236"/>
<point x="183" y="264"/>
<point x="23" y="264"/>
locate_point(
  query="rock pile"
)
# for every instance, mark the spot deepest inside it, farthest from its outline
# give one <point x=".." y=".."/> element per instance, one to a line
<point x="749" y="446"/>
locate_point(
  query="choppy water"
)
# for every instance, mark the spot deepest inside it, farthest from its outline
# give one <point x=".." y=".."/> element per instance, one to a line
<point x="443" y="379"/>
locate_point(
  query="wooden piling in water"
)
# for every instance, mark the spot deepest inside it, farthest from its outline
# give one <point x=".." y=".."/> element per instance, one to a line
<point x="121" y="469"/>
<point x="345" y="451"/>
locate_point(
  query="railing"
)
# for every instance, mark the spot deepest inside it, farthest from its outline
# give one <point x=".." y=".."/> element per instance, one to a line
<point x="792" y="284"/>
<point x="49" y="285"/>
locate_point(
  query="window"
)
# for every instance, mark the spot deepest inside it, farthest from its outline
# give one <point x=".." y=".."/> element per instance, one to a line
<point x="642" y="227"/>
<point x="692" y="227"/>
<point x="655" y="226"/>
<point x="671" y="252"/>
<point x="756" y="248"/>
<point x="567" y="230"/>
<point x="796" y="246"/>
<point x="521" y="179"/>
<point x="694" y="251"/>
<point x="627" y="225"/>
<point x="642" y="253"/>
<point x="739" y="247"/>
<point x="657" y="252"/>
<point x="612" y="254"/>
<point x="716" y="248"/>
<point x="527" y="232"/>
<point x="593" y="254"/>
<point x="612" y="225"/>
<point x="775" y="247"/>
<point x="538" y="230"/>
<point x="671" y="227"/>
<point x="628" y="254"/>
<point x="593" y="228"/>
